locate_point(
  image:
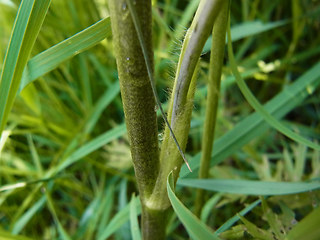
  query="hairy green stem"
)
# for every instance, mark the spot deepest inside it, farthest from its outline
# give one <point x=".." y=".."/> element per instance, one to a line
<point x="216" y="63"/>
<point x="181" y="102"/>
<point x="195" y="39"/>
<point x="138" y="99"/>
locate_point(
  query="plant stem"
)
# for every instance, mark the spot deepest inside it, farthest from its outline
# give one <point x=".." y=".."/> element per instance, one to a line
<point x="216" y="63"/>
<point x="138" y="102"/>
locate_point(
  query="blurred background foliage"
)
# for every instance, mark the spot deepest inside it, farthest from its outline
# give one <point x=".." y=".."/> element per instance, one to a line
<point x="54" y="118"/>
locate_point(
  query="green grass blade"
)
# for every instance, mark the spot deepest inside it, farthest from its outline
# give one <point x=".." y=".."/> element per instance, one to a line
<point x="195" y="228"/>
<point x="23" y="184"/>
<point x="235" y="218"/>
<point x="247" y="29"/>
<point x="250" y="187"/>
<point x="258" y="107"/>
<point x="62" y="232"/>
<point x="27" y="25"/>
<point x="107" y="208"/>
<point x="118" y="220"/>
<point x="8" y="236"/>
<point x="135" y="231"/>
<point x="307" y="228"/>
<point x="93" y="145"/>
<point x="25" y="218"/>
<point x="52" y="57"/>
<point x="208" y="206"/>
<point x="107" y="97"/>
<point x="254" y="125"/>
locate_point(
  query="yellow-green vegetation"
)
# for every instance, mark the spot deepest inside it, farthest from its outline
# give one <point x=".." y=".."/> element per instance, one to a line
<point x="105" y="105"/>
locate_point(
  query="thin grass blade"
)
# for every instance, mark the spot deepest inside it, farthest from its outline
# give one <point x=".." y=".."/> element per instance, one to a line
<point x="135" y="231"/>
<point x="195" y="228"/>
<point x="118" y="220"/>
<point x="51" y="58"/>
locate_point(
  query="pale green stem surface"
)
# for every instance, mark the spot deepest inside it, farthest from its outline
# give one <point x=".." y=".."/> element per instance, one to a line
<point x="215" y="69"/>
<point x="195" y="39"/>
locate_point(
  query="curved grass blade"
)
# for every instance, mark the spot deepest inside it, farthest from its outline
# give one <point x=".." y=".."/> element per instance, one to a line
<point x="49" y="59"/>
<point x="195" y="228"/>
<point x="25" y="218"/>
<point x="258" y="107"/>
<point x="27" y="25"/>
<point x="248" y="187"/>
<point x="93" y="145"/>
<point x="135" y="231"/>
<point x="118" y="220"/>
<point x="149" y="69"/>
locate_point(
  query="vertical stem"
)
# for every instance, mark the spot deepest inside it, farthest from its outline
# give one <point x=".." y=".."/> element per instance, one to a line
<point x="216" y="62"/>
<point x="139" y="104"/>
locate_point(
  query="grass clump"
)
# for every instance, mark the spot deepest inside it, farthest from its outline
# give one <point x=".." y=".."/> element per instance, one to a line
<point x="69" y="128"/>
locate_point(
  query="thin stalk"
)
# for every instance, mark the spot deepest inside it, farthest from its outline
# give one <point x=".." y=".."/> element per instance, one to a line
<point x="215" y="68"/>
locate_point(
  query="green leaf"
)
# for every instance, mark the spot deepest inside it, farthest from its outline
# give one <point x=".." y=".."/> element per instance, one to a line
<point x="118" y="220"/>
<point x="25" y="218"/>
<point x="195" y="228"/>
<point x="247" y="29"/>
<point x="27" y="25"/>
<point x="93" y="145"/>
<point x="307" y="228"/>
<point x="250" y="187"/>
<point x="135" y="231"/>
<point x="52" y="57"/>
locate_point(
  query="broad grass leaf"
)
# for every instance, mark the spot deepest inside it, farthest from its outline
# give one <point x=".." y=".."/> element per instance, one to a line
<point x="195" y="228"/>
<point x="27" y="25"/>
<point x="248" y="187"/>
